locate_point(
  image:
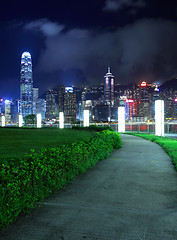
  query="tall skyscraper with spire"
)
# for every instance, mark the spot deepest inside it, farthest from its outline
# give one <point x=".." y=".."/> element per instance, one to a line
<point x="109" y="88"/>
<point x="26" y="85"/>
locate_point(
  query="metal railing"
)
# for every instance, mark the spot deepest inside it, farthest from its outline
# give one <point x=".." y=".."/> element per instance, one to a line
<point x="129" y="127"/>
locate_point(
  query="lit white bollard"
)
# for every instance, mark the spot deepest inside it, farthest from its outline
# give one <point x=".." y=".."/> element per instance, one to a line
<point x="121" y="119"/>
<point x="61" y="120"/>
<point x="20" y="121"/>
<point x="86" y="118"/>
<point x="159" y="117"/>
<point x="38" y="120"/>
<point x="3" y="121"/>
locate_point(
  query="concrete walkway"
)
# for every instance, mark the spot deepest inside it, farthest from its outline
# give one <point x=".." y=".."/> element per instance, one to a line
<point x="131" y="195"/>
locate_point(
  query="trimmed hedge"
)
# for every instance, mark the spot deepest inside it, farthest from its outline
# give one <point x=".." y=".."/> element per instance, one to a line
<point x="28" y="180"/>
<point x="93" y="128"/>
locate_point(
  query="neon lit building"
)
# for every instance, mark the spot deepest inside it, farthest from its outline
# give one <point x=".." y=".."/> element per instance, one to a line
<point x="26" y="85"/>
<point x="144" y="103"/>
<point x="130" y="109"/>
<point x="109" y="88"/>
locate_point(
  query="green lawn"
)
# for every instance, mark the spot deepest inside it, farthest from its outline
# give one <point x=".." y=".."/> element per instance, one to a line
<point x="15" y="142"/>
<point x="167" y="143"/>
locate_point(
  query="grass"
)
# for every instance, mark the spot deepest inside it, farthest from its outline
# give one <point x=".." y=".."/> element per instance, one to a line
<point x="167" y="143"/>
<point x="15" y="142"/>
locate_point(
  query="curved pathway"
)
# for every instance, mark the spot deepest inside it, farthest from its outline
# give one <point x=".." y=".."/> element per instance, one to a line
<point x="131" y="195"/>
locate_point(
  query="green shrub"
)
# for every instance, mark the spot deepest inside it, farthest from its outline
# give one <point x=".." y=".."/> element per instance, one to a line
<point x="28" y="180"/>
<point x="93" y="128"/>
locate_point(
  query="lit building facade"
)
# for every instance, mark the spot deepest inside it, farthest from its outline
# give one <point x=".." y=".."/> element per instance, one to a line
<point x="35" y="97"/>
<point x="61" y="93"/>
<point x="130" y="109"/>
<point x="70" y="104"/>
<point x="26" y="85"/>
<point x="7" y="111"/>
<point x="51" y="104"/>
<point x="144" y="103"/>
<point x="2" y="106"/>
<point x="41" y="107"/>
<point x="109" y="88"/>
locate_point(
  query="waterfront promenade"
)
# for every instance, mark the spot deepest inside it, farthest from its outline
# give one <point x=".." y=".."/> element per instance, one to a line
<point x="132" y="195"/>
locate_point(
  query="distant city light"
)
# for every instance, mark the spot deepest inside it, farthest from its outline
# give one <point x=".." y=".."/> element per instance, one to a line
<point x="175" y="100"/>
<point x="26" y="54"/>
<point x="7" y="101"/>
<point x="159" y="117"/>
<point x="68" y="89"/>
<point x="143" y="84"/>
<point x="38" y="120"/>
<point x="121" y="119"/>
<point x="61" y="120"/>
<point x="129" y="100"/>
<point x="86" y="118"/>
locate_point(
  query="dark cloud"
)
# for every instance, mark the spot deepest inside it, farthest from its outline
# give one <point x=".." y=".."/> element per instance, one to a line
<point x="117" y="5"/>
<point x="144" y="50"/>
<point x="48" y="28"/>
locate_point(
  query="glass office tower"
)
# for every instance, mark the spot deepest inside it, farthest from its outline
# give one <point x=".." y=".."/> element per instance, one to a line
<point x="26" y="85"/>
<point x="109" y="88"/>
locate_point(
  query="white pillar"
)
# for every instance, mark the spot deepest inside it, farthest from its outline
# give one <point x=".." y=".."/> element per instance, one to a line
<point x="86" y="118"/>
<point x="61" y="120"/>
<point x="121" y="119"/>
<point x="20" y="121"/>
<point x="3" y="121"/>
<point x="38" y="120"/>
<point x="159" y="117"/>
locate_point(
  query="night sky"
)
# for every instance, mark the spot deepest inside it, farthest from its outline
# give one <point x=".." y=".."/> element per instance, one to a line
<point x="74" y="42"/>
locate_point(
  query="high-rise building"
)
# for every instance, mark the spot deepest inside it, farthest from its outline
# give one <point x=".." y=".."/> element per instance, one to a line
<point x="41" y="107"/>
<point x="26" y="85"/>
<point x="14" y="111"/>
<point x="61" y="93"/>
<point x="70" y="104"/>
<point x="2" y="106"/>
<point x="144" y="104"/>
<point x="130" y="109"/>
<point x="35" y="97"/>
<point x="51" y="104"/>
<point x="109" y="88"/>
<point x="8" y="111"/>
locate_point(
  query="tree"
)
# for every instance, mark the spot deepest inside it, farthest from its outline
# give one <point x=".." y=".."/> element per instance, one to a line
<point x="30" y="119"/>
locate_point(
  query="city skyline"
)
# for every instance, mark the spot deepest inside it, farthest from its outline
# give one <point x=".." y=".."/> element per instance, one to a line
<point x="74" y="43"/>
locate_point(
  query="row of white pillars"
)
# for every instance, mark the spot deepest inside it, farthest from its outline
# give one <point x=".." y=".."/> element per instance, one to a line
<point x="61" y="120"/>
<point x="85" y="119"/>
<point x="159" y="118"/>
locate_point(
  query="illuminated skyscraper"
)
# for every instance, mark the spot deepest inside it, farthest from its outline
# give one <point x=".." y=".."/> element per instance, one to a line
<point x="109" y="88"/>
<point x="70" y="104"/>
<point x="26" y="85"/>
<point x="51" y="104"/>
<point x="35" y="97"/>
